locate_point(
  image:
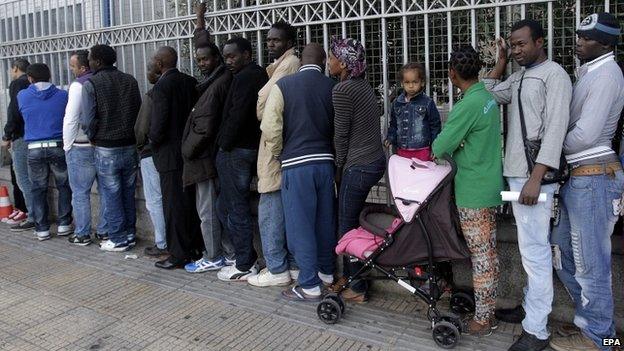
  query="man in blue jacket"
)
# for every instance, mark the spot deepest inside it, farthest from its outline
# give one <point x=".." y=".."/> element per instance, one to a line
<point x="43" y="106"/>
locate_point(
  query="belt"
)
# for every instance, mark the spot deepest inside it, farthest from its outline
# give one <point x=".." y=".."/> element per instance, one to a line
<point x="42" y="144"/>
<point x="599" y="169"/>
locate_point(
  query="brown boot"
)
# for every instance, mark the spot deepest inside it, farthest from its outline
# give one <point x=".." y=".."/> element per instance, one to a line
<point x="576" y="342"/>
<point x="477" y="328"/>
<point x="349" y="295"/>
<point x="335" y="288"/>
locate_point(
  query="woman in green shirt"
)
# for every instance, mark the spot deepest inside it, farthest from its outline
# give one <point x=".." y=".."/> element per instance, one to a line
<point x="472" y="135"/>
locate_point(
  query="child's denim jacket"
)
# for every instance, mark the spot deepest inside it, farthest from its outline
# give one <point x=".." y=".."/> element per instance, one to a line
<point x="414" y="124"/>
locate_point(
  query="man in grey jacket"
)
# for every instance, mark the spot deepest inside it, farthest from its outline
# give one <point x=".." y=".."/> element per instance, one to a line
<point x="591" y="198"/>
<point x="545" y="99"/>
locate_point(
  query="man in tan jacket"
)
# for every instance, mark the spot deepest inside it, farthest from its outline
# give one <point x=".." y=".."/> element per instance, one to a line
<point x="280" y="264"/>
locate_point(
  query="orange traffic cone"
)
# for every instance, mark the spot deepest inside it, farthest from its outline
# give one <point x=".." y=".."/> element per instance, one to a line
<point x="5" y="203"/>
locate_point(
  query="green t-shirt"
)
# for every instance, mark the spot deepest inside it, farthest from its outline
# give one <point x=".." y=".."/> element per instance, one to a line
<point x="472" y="136"/>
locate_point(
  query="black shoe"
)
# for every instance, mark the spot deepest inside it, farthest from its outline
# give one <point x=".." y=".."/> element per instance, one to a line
<point x="169" y="264"/>
<point x="24" y="226"/>
<point x="79" y="240"/>
<point x="101" y="237"/>
<point x="528" y="342"/>
<point x="511" y="315"/>
<point x="154" y="251"/>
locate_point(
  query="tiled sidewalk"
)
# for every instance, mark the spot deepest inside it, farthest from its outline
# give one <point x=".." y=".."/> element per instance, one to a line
<point x="55" y="296"/>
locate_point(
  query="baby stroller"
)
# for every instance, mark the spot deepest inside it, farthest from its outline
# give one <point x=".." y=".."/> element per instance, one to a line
<point x="409" y="241"/>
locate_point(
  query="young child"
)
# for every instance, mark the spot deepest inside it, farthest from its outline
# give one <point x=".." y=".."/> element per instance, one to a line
<point x="414" y="117"/>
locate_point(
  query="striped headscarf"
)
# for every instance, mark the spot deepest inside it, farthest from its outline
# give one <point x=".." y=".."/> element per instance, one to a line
<point x="352" y="54"/>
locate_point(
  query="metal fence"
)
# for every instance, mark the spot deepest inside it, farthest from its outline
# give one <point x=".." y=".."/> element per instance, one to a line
<point x="393" y="31"/>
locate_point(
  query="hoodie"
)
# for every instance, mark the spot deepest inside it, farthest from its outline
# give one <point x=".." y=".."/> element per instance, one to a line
<point x="43" y="107"/>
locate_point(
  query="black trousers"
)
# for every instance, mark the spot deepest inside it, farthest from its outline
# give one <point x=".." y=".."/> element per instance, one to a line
<point x="184" y="239"/>
<point x="18" y="197"/>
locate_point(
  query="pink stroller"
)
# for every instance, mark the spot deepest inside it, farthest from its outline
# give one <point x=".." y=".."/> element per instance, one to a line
<point x="409" y="242"/>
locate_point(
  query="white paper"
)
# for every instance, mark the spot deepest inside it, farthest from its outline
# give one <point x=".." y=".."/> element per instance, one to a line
<point x="515" y="195"/>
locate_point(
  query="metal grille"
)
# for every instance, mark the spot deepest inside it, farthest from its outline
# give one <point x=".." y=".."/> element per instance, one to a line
<point x="394" y="31"/>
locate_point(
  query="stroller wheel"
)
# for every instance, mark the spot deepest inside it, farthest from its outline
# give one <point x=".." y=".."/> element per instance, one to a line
<point x="462" y="303"/>
<point x="446" y="334"/>
<point x="338" y="299"/>
<point x="329" y="311"/>
<point x="453" y="319"/>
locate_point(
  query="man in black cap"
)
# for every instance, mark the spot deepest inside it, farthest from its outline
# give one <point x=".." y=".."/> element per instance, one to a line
<point x="591" y="199"/>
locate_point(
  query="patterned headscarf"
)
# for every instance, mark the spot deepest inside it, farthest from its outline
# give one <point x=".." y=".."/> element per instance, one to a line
<point x="351" y="53"/>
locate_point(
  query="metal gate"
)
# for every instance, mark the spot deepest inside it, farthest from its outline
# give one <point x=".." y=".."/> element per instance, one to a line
<point x="393" y="31"/>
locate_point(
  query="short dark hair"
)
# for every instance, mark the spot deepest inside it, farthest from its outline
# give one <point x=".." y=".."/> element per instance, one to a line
<point x="241" y="43"/>
<point x="39" y="72"/>
<point x="419" y="67"/>
<point x="214" y="49"/>
<point x="466" y="62"/>
<point x="82" y="56"/>
<point x="104" y="53"/>
<point x="537" y="31"/>
<point x="21" y="64"/>
<point x="288" y="29"/>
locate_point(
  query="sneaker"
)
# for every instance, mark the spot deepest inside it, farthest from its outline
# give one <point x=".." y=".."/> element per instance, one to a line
<point x="528" y="342"/>
<point x="231" y="273"/>
<point x="576" y="342"/>
<point x="297" y="293"/>
<point x="110" y="246"/>
<point x="43" y="235"/>
<point x="131" y="241"/>
<point x="567" y="330"/>
<point x="266" y="278"/>
<point x="154" y="251"/>
<point x="473" y="327"/>
<point x="204" y="265"/>
<point x="294" y="274"/>
<point x="101" y="237"/>
<point x="79" y="240"/>
<point x="23" y="226"/>
<point x="510" y="315"/>
<point x="229" y="261"/>
<point x="65" y="230"/>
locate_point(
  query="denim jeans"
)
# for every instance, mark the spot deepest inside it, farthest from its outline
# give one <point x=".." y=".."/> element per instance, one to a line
<point x="584" y="238"/>
<point x="355" y="185"/>
<point x="308" y="193"/>
<point x="216" y="243"/>
<point x="533" y="223"/>
<point x="235" y="171"/>
<point x="19" y="154"/>
<point x="82" y="174"/>
<point x="273" y="234"/>
<point x="41" y="162"/>
<point x="117" y="170"/>
<point x="153" y="200"/>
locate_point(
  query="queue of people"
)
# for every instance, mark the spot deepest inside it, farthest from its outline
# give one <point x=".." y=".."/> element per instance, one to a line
<point x="316" y="147"/>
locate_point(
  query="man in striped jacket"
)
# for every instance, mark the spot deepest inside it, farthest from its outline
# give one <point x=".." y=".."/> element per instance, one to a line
<point x="298" y="129"/>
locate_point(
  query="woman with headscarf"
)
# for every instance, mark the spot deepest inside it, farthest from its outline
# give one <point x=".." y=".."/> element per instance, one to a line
<point x="360" y="158"/>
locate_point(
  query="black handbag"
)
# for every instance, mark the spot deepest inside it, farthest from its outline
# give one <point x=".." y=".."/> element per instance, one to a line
<point x="532" y="148"/>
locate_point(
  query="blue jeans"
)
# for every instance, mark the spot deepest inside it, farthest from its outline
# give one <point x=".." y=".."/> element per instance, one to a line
<point x="355" y="185"/>
<point x="584" y="238"/>
<point x="117" y="171"/>
<point x="19" y="154"/>
<point x="41" y="162"/>
<point x="272" y="233"/>
<point x="308" y="194"/>
<point x="235" y="171"/>
<point x="153" y="200"/>
<point x="82" y="174"/>
<point x="533" y="223"/>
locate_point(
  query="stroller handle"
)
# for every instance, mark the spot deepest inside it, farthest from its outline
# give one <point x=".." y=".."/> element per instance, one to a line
<point x="371" y="227"/>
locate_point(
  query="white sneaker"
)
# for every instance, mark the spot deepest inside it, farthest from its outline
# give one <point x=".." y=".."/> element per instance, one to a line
<point x="110" y="246"/>
<point x="328" y="279"/>
<point x="229" y="261"/>
<point x="230" y="273"/>
<point x="294" y="274"/>
<point x="45" y="235"/>
<point x="266" y="278"/>
<point x="64" y="230"/>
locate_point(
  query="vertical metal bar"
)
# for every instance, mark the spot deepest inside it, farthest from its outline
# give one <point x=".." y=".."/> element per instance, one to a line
<point x="384" y="61"/>
<point x="49" y="17"/>
<point x="121" y="13"/>
<point x="577" y="14"/>
<point x="427" y="63"/>
<point x="178" y="52"/>
<point x="28" y="32"/>
<point x="404" y="33"/>
<point x="344" y="23"/>
<point x="551" y="31"/>
<point x="607" y="5"/>
<point x="449" y="46"/>
<point x="164" y="14"/>
<point x="153" y="10"/>
<point x="142" y="8"/>
<point x="191" y="56"/>
<point x="523" y="11"/>
<point x="308" y="35"/>
<point x="473" y="27"/>
<point x="6" y="22"/>
<point x="66" y="24"/>
<point x="134" y="63"/>
<point x="131" y="4"/>
<point x="176" y="8"/>
<point x="74" y="19"/>
<point x="145" y="60"/>
<point x="19" y="20"/>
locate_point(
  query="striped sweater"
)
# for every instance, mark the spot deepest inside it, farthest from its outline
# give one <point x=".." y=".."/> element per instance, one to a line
<point x="357" y="125"/>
